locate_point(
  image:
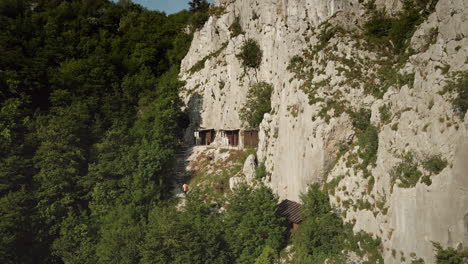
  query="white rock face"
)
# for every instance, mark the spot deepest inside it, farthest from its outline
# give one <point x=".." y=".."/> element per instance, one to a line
<point x="299" y="144"/>
<point x="249" y="168"/>
<point x="234" y="182"/>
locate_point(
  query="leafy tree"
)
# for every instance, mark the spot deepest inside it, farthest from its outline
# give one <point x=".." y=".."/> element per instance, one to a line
<point x="197" y="5"/>
<point x="323" y="237"/>
<point x="200" y="9"/>
<point x="268" y="256"/>
<point x="193" y="235"/>
<point x="258" y="103"/>
<point x="17" y="240"/>
<point x="253" y="222"/>
<point x="322" y="232"/>
<point x="121" y="236"/>
<point x="89" y="121"/>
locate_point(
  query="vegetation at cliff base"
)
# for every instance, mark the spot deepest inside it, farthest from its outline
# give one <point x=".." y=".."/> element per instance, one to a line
<point x="323" y="237"/>
<point x="89" y="122"/>
<point x="450" y="255"/>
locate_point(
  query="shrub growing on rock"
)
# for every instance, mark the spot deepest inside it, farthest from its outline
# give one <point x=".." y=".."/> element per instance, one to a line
<point x="459" y="85"/>
<point x="258" y="103"/>
<point x="251" y="54"/>
<point x="434" y="164"/>
<point x="450" y="255"/>
<point x="236" y="28"/>
<point x="407" y="171"/>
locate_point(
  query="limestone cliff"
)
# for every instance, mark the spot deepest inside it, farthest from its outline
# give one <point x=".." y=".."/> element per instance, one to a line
<point x="326" y="75"/>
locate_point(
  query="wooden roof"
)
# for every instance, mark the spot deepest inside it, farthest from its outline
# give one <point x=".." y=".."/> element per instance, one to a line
<point x="205" y="129"/>
<point x="291" y="210"/>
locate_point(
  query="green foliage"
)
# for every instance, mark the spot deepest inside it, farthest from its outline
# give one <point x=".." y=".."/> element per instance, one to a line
<point x="458" y="85"/>
<point x="199" y="10"/>
<point x="385" y="115"/>
<point x="323" y="235"/>
<point x="407" y="172"/>
<point x="327" y="32"/>
<point x="89" y="122"/>
<point x="434" y="164"/>
<point x="260" y="171"/>
<point x="251" y="54"/>
<point x="450" y="255"/>
<point x="361" y="119"/>
<point x="330" y="186"/>
<point x="418" y="261"/>
<point x="296" y="65"/>
<point x="16" y="228"/>
<point x="268" y="256"/>
<point x="193" y="235"/>
<point x="368" y="139"/>
<point x="382" y="29"/>
<point x="253" y="222"/>
<point x="236" y="28"/>
<point x="258" y="103"/>
<point x="217" y="11"/>
<point x="201" y="63"/>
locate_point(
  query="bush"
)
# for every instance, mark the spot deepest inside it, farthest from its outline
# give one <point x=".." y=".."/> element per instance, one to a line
<point x="381" y="29"/>
<point x="258" y="103"/>
<point x="368" y="146"/>
<point x="251" y="54"/>
<point x="434" y="164"/>
<point x="199" y="10"/>
<point x="407" y="171"/>
<point x="368" y="139"/>
<point x="268" y="256"/>
<point x="459" y="85"/>
<point x="252" y="222"/>
<point x="236" y="28"/>
<point x="261" y="172"/>
<point x="385" y="114"/>
<point x="450" y="255"/>
<point x="361" y="119"/>
<point x="323" y="235"/>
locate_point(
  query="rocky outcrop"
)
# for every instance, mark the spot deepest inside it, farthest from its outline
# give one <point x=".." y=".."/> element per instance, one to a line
<point x="309" y="135"/>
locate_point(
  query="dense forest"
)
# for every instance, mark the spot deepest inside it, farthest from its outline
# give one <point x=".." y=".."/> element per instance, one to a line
<point x="90" y="121"/>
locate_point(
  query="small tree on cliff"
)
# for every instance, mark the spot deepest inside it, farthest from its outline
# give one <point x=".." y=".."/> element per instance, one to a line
<point x="258" y="103"/>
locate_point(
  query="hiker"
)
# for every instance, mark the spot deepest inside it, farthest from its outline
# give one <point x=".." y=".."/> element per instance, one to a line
<point x="185" y="188"/>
